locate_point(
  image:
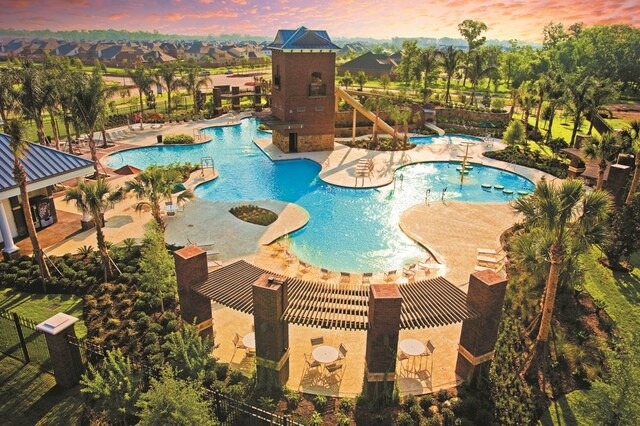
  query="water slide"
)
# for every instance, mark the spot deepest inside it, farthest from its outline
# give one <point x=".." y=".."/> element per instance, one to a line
<point x="382" y="125"/>
<point x="434" y="128"/>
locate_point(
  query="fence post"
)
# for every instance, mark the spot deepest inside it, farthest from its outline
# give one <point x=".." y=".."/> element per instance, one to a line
<point x="23" y="344"/>
<point x="65" y="356"/>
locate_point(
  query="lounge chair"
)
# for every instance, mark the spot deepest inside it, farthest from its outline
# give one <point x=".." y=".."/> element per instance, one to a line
<point x="156" y="126"/>
<point x="366" y="277"/>
<point x="324" y="273"/>
<point x="345" y="277"/>
<point x="390" y="276"/>
<point x="317" y="341"/>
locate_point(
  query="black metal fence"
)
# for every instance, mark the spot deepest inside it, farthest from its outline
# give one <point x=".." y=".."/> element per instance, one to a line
<point x="19" y="339"/>
<point x="228" y="411"/>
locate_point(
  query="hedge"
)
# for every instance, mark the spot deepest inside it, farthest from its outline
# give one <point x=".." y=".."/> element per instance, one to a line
<point x="178" y="139"/>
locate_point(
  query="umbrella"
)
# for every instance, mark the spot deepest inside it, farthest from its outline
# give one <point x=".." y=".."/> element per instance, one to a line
<point x="178" y="187"/>
<point x="486" y="124"/>
<point x="127" y="170"/>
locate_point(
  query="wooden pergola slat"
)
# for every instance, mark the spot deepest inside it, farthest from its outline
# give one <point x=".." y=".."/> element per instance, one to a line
<point x="426" y="304"/>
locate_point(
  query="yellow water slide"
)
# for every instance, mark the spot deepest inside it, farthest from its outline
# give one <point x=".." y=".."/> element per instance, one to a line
<point x="382" y="125"/>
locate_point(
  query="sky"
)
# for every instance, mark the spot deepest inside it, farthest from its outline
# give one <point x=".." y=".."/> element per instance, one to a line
<point x="506" y="19"/>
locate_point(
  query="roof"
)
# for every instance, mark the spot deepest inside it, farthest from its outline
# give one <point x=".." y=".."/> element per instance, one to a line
<point x="370" y="61"/>
<point x="303" y="39"/>
<point x="427" y="303"/>
<point x="40" y="163"/>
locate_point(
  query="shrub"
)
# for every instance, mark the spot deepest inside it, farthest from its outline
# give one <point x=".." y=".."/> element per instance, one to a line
<point x="266" y="403"/>
<point x="442" y="395"/>
<point x="254" y="214"/>
<point x="235" y="377"/>
<point x="315" y="419"/>
<point x="497" y="104"/>
<point x="180" y="139"/>
<point x="427" y="401"/>
<point x="513" y="155"/>
<point x="347" y="405"/>
<point x="263" y="126"/>
<point x="320" y="402"/>
<point x="343" y="419"/>
<point x="409" y="401"/>
<point x="404" y="419"/>
<point x="221" y="371"/>
<point x="292" y="398"/>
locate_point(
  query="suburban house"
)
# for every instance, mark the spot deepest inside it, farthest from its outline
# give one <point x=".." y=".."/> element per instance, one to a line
<point x="372" y="64"/>
<point x="45" y="167"/>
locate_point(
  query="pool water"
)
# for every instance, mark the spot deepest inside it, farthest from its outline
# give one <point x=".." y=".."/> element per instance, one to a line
<point x="444" y="139"/>
<point x="351" y="230"/>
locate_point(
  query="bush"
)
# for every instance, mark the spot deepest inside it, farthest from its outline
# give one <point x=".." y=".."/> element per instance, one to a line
<point x="347" y="405"/>
<point x="513" y="155"/>
<point x="235" y="377"/>
<point x="177" y="139"/>
<point x="254" y="214"/>
<point x="221" y="371"/>
<point x="343" y="419"/>
<point x="404" y="419"/>
<point x="497" y="104"/>
<point x="316" y="419"/>
<point x="292" y="398"/>
<point x="320" y="402"/>
<point x="427" y="401"/>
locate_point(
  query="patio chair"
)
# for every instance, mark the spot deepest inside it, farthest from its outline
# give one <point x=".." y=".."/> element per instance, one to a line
<point x="409" y="271"/>
<point x="345" y="277"/>
<point x="310" y="362"/>
<point x="390" y="276"/>
<point x="334" y="372"/>
<point x="401" y="358"/>
<point x="304" y="267"/>
<point x="428" y="352"/>
<point x="366" y="277"/>
<point x="317" y="341"/>
<point x="324" y="273"/>
<point x="342" y="351"/>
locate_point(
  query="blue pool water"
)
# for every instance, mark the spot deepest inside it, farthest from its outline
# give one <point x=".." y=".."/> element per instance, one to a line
<point x="352" y="230"/>
<point x="443" y="140"/>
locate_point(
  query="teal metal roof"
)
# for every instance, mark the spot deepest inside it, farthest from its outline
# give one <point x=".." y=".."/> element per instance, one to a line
<point x="40" y="162"/>
<point x="302" y="39"/>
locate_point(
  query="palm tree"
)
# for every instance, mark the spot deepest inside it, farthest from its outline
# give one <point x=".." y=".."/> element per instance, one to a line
<point x="543" y="86"/>
<point x="527" y="101"/>
<point x="604" y="92"/>
<point x="602" y="149"/>
<point x="554" y="94"/>
<point x="94" y="199"/>
<point x="361" y="79"/>
<point x="7" y="100"/>
<point x="451" y="58"/>
<point x="476" y="71"/>
<point x="19" y="147"/>
<point x="578" y="101"/>
<point x="631" y="136"/>
<point x="167" y="74"/>
<point x="561" y="216"/>
<point x="429" y="61"/>
<point x="35" y="94"/>
<point x="192" y="81"/>
<point x="90" y="106"/>
<point x="155" y="185"/>
<point x="376" y="103"/>
<point x="143" y="80"/>
<point x="346" y="80"/>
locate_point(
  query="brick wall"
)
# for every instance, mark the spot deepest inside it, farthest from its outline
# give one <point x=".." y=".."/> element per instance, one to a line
<point x="191" y="271"/>
<point x="385" y="303"/>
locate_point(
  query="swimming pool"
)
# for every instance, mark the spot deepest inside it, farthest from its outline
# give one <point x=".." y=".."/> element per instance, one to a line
<point x="351" y="230"/>
<point x="444" y="139"/>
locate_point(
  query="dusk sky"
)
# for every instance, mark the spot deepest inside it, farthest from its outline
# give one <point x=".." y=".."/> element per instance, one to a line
<point x="341" y="18"/>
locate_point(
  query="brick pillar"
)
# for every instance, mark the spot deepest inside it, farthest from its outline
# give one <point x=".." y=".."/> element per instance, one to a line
<point x="191" y="271"/>
<point x="270" y="300"/>
<point x="616" y="182"/>
<point x="217" y="102"/>
<point x="257" y="100"/>
<point x="385" y="302"/>
<point x="235" y="101"/>
<point x="65" y="356"/>
<point x="479" y="335"/>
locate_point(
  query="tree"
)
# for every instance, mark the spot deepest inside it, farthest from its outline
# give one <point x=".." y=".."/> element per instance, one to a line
<point x="361" y="79"/>
<point x="143" y="80"/>
<point x="193" y="81"/>
<point x="631" y="137"/>
<point x="94" y="199"/>
<point x="510" y="393"/>
<point x="429" y="62"/>
<point x="578" y="98"/>
<point x="515" y="134"/>
<point x="562" y="216"/>
<point x="623" y="240"/>
<point x="401" y="114"/>
<point x="527" y="101"/>
<point x="174" y="402"/>
<point x="471" y="30"/>
<point x="114" y="386"/>
<point x="157" y="268"/>
<point x="476" y="71"/>
<point x="19" y="148"/>
<point x="346" y="80"/>
<point x="384" y="81"/>
<point x="89" y="108"/>
<point x="190" y="355"/>
<point x="167" y="74"/>
<point x="408" y="64"/>
<point x="376" y="103"/>
<point x="604" y="92"/>
<point x="451" y="58"/>
<point x="603" y="149"/>
<point x="155" y="185"/>
<point x="7" y="99"/>
<point x="555" y="96"/>
<point x="553" y="34"/>
<point x="34" y="94"/>
<point x="617" y="401"/>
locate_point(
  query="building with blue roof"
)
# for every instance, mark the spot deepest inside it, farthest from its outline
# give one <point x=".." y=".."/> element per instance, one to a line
<point x="45" y="167"/>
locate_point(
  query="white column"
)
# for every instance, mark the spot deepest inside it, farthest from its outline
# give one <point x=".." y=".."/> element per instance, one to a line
<point x="5" y="230"/>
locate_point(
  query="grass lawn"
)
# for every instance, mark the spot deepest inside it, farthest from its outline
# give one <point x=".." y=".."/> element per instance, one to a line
<point x="561" y="128"/>
<point x="621" y="292"/>
<point x="39" y="307"/>
<point x="29" y="397"/>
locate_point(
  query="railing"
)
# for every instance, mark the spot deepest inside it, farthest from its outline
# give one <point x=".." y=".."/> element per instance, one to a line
<point x="601" y="126"/>
<point x="19" y="339"/>
<point x="316" y="89"/>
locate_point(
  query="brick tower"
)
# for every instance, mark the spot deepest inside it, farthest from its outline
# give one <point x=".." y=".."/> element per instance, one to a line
<point x="302" y="95"/>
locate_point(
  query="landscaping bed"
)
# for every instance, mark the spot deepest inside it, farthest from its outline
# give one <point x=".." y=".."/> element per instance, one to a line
<point x="532" y="159"/>
<point x="383" y="144"/>
<point x="181" y="139"/>
<point x="254" y="214"/>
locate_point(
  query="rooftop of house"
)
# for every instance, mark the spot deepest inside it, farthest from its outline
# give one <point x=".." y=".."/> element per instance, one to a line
<point x="303" y="39"/>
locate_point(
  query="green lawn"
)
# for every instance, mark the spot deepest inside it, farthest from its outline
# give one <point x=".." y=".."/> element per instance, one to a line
<point x="621" y="292"/>
<point x="29" y="397"/>
<point x="39" y="307"/>
<point x="561" y="128"/>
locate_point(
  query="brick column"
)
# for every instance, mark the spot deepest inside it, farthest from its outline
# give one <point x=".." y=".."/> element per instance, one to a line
<point x="217" y="102"/>
<point x="479" y="335"/>
<point x="235" y="101"/>
<point x="616" y="182"/>
<point x="191" y="271"/>
<point x="257" y="100"/>
<point x="270" y="300"/>
<point x="385" y="303"/>
<point x="65" y="356"/>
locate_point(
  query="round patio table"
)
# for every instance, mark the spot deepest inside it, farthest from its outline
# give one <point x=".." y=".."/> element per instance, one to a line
<point x="412" y="347"/>
<point x="249" y="340"/>
<point x="325" y="354"/>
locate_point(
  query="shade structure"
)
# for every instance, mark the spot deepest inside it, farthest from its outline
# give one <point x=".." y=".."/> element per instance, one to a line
<point x="425" y="304"/>
<point x="486" y="124"/>
<point x="127" y="170"/>
<point x="178" y="187"/>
